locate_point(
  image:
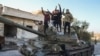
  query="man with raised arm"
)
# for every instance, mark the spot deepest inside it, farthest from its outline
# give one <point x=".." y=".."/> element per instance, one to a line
<point x="57" y="15"/>
<point x="53" y="17"/>
<point x="46" y="19"/>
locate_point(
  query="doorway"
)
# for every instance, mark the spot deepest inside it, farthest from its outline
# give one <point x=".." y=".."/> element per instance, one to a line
<point x="10" y="31"/>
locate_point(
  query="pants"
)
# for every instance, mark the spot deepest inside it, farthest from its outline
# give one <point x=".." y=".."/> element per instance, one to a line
<point x="57" y="24"/>
<point x="45" y="26"/>
<point x="65" y="25"/>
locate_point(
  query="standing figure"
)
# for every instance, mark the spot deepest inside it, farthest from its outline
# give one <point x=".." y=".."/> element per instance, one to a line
<point x="57" y="15"/>
<point x="46" y="19"/>
<point x="53" y="17"/>
<point x="67" y="20"/>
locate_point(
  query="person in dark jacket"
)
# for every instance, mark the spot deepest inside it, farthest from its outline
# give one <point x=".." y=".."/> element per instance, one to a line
<point x="56" y="17"/>
<point x="53" y="17"/>
<point x="46" y="19"/>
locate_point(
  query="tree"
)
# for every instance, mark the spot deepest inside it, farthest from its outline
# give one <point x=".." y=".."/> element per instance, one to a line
<point x="84" y="25"/>
<point x="86" y="36"/>
<point x="81" y="30"/>
<point x="76" y="23"/>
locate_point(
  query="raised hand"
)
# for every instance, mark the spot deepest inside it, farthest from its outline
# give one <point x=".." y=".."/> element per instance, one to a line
<point x="63" y="11"/>
<point x="59" y="5"/>
<point x="42" y="8"/>
<point x="47" y="10"/>
<point x="60" y="8"/>
<point x="56" y="8"/>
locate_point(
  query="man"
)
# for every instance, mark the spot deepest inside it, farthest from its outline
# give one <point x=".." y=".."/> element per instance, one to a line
<point x="46" y="19"/>
<point x="67" y="20"/>
<point x="57" y="15"/>
<point x="53" y="17"/>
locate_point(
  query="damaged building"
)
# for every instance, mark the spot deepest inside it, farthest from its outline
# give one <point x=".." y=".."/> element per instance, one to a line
<point x="24" y="18"/>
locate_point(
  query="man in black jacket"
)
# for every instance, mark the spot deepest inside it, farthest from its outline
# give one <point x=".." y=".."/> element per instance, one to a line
<point x="56" y="17"/>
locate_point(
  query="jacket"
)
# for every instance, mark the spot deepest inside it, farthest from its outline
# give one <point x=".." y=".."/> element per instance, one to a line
<point x="68" y="17"/>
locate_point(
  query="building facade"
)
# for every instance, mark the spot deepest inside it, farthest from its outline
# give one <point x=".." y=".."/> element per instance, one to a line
<point x="18" y="16"/>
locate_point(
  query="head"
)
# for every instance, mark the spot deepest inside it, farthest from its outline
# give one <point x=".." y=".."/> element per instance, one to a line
<point x="53" y="12"/>
<point x="56" y="11"/>
<point x="67" y="10"/>
<point x="47" y="13"/>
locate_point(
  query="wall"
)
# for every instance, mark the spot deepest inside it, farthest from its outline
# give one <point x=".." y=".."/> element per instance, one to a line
<point x="0" y="9"/>
<point x="20" y="17"/>
<point x="26" y="34"/>
<point x="1" y="24"/>
<point x="22" y="33"/>
<point x="1" y="29"/>
<point x="18" y="13"/>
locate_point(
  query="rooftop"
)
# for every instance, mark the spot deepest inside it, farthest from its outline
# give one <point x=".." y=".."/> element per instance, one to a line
<point x="19" y="13"/>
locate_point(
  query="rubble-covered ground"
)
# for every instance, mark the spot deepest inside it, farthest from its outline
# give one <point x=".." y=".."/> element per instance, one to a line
<point x="10" y="53"/>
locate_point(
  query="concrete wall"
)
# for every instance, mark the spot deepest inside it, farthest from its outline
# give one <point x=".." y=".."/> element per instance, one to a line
<point x="1" y="29"/>
<point x="20" y="17"/>
<point x="22" y="33"/>
<point x="18" y="13"/>
<point x="0" y="9"/>
<point x="1" y="24"/>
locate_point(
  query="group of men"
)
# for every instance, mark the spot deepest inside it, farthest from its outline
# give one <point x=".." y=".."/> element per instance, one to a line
<point x="56" y="18"/>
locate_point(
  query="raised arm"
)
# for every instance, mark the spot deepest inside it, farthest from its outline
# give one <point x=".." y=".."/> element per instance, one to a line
<point x="42" y="11"/>
<point x="63" y="11"/>
<point x="56" y="8"/>
<point x="60" y="8"/>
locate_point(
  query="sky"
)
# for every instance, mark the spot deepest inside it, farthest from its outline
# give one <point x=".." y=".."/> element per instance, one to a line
<point x="83" y="10"/>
